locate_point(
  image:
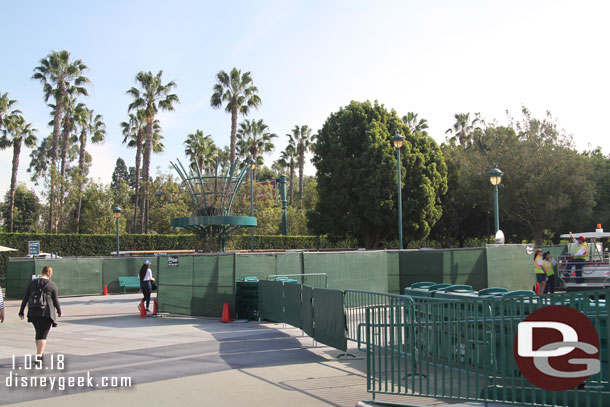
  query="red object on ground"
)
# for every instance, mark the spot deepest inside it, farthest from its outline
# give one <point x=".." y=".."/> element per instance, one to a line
<point x="142" y="310"/>
<point x="537" y="288"/>
<point x="155" y="307"/>
<point x="105" y="290"/>
<point x="226" y="314"/>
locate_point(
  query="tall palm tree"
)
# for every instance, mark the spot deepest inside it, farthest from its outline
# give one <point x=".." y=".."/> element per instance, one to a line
<point x="279" y="166"/>
<point x="59" y="76"/>
<point x="301" y="137"/>
<point x="90" y="124"/>
<point x="152" y="96"/>
<point x="239" y="93"/>
<point x="464" y="128"/>
<point x="289" y="156"/>
<point x="201" y="150"/>
<point x="5" y="105"/>
<point x="67" y="140"/>
<point x="415" y="125"/>
<point x="254" y="138"/>
<point x="15" y="133"/>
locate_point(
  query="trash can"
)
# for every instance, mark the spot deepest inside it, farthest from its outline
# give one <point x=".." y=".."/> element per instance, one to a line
<point x="246" y="298"/>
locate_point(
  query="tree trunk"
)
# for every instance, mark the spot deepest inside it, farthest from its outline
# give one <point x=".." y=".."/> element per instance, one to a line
<point x="146" y="172"/>
<point x="59" y="110"/>
<point x="138" y="162"/>
<point x="64" y="158"/>
<point x="301" y="168"/>
<point x="233" y="134"/>
<point x="15" y="168"/>
<point x="291" y="183"/>
<point x="81" y="176"/>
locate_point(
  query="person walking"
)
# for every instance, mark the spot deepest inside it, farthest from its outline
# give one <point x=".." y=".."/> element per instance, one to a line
<point x="548" y="265"/>
<point x="146" y="280"/>
<point x="539" y="270"/>
<point x="580" y="257"/>
<point x="41" y="312"/>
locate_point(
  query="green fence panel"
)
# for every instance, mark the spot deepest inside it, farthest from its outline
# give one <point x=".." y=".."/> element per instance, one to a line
<point x="175" y="299"/>
<point x="255" y="265"/>
<point x="393" y="261"/>
<point x="292" y="304"/>
<point x="19" y="275"/>
<point x="510" y="266"/>
<point x="176" y="273"/>
<point x="307" y="310"/>
<point x="271" y="300"/>
<point x="329" y="317"/>
<point x="350" y="270"/>
<point x="75" y="276"/>
<point x="289" y="263"/>
<point x="175" y="285"/>
<point x="115" y="267"/>
<point x="451" y="266"/>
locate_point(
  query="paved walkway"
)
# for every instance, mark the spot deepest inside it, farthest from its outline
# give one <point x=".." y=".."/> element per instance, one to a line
<point x="175" y="361"/>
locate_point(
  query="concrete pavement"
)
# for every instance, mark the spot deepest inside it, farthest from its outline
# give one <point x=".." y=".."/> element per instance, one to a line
<point x="175" y="361"/>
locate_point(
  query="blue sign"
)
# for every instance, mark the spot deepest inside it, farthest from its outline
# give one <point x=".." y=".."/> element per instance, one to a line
<point x="34" y="247"/>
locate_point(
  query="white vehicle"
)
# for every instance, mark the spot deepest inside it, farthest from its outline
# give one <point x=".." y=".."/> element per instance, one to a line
<point x="43" y="255"/>
<point x="596" y="268"/>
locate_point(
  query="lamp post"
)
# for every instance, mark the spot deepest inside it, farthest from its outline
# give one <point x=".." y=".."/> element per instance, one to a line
<point x="495" y="177"/>
<point x="116" y="211"/>
<point x="252" y="167"/>
<point x="397" y="142"/>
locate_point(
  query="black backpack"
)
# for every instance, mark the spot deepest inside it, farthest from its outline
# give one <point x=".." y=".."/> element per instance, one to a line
<point x="38" y="299"/>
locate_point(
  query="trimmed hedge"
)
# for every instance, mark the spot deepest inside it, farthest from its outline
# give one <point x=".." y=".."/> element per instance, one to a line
<point x="102" y="245"/>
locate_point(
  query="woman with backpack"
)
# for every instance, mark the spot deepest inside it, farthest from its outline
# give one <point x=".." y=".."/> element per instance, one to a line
<point x="41" y="299"/>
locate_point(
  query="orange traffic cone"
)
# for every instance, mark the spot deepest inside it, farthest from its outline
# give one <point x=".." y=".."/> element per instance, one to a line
<point x="105" y="290"/>
<point x="155" y="307"/>
<point x="142" y="310"/>
<point x="537" y="288"/>
<point x="226" y="314"/>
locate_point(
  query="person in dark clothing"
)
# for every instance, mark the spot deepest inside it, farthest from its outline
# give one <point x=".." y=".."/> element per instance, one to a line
<point x="146" y="280"/>
<point x="45" y="317"/>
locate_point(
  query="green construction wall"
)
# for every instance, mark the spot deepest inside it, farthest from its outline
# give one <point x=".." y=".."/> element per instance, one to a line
<point x="510" y="266"/>
<point x="361" y="270"/>
<point x="18" y="276"/>
<point x="113" y="268"/>
<point x="393" y="259"/>
<point x="453" y="266"/>
<point x="76" y="276"/>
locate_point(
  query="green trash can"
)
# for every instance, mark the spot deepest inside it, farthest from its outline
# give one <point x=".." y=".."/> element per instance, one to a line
<point x="246" y="298"/>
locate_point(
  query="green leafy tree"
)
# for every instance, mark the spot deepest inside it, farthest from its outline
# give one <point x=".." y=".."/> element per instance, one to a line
<point x="26" y="209"/>
<point x="6" y="105"/>
<point x="15" y="133"/>
<point x="151" y="97"/>
<point x="60" y="77"/>
<point x="120" y="174"/>
<point x="254" y="139"/>
<point x="356" y="175"/>
<point x="170" y="200"/>
<point x="201" y="150"/>
<point x="301" y="139"/>
<point x="133" y="135"/>
<point x="237" y="93"/>
<point x="96" y="210"/>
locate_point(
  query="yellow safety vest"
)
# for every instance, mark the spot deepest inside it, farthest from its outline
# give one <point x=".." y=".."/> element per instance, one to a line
<point x="548" y="268"/>
<point x="586" y="255"/>
<point x="537" y="267"/>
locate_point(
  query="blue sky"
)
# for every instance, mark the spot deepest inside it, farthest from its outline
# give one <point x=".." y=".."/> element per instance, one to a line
<point x="309" y="58"/>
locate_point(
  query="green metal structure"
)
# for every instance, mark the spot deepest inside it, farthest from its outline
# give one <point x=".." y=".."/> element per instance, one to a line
<point x="213" y="192"/>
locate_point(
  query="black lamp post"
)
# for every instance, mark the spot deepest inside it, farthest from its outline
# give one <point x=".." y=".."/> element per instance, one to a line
<point x="397" y="142"/>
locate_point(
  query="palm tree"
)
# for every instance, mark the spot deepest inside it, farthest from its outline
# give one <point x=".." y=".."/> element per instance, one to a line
<point x="200" y="150"/>
<point x="16" y="131"/>
<point x="60" y="76"/>
<point x="301" y="137"/>
<point x="93" y="124"/>
<point x="289" y="156"/>
<point x="152" y="96"/>
<point x="254" y="139"/>
<point x="279" y="166"/>
<point x="415" y="125"/>
<point x="239" y="94"/>
<point x="67" y="140"/>
<point x="5" y="105"/>
<point x="464" y="128"/>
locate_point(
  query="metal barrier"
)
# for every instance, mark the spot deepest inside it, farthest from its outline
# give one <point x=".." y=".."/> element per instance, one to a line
<point x="316" y="280"/>
<point x="355" y="303"/>
<point x="463" y="349"/>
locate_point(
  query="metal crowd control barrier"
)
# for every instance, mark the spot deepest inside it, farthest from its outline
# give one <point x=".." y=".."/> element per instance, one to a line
<point x="355" y="303"/>
<point x="463" y="349"/>
<point x="316" y="280"/>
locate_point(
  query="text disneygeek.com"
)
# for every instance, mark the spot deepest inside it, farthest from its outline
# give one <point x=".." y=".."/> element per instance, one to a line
<point x="61" y="383"/>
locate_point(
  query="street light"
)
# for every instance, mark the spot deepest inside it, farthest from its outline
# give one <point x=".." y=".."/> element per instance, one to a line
<point x="252" y="166"/>
<point x="116" y="211"/>
<point x="495" y="177"/>
<point x="397" y="142"/>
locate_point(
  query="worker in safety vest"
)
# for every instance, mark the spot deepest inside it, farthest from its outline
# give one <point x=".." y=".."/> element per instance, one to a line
<point x="547" y="263"/>
<point x="580" y="257"/>
<point x="539" y="270"/>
